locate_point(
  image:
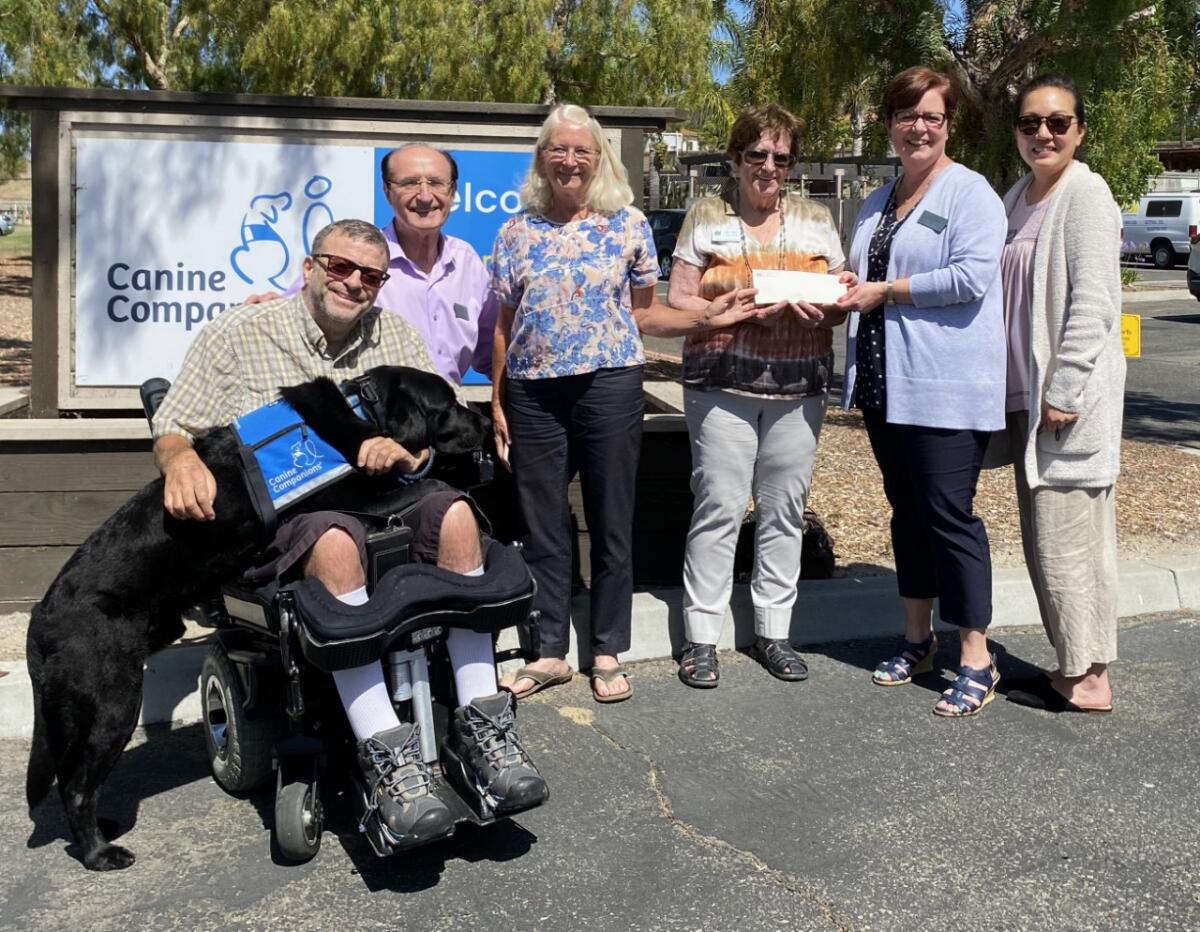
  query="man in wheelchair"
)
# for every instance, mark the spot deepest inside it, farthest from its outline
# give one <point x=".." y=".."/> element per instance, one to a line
<point x="332" y="328"/>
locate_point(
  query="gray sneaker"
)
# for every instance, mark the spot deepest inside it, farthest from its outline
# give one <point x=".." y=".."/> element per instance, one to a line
<point x="483" y="736"/>
<point x="400" y="794"/>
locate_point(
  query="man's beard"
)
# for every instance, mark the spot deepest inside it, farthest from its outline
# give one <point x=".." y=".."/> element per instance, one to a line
<point x="320" y="308"/>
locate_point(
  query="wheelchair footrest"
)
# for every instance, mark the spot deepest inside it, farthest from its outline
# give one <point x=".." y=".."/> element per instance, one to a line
<point x="411" y="601"/>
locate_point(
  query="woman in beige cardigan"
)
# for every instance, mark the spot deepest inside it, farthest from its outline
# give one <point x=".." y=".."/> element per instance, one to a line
<point x="1066" y="382"/>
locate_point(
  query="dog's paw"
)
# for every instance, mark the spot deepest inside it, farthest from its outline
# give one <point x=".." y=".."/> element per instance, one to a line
<point x="109" y="858"/>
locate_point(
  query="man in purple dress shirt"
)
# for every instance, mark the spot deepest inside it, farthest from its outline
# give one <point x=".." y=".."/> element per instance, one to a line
<point x="437" y="282"/>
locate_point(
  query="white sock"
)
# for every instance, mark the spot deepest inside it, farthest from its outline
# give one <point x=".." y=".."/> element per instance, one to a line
<point x="356" y="597"/>
<point x="363" y="690"/>
<point x="473" y="661"/>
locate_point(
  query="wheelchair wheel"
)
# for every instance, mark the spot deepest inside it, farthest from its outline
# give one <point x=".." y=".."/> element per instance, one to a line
<point x="240" y="748"/>
<point x="299" y="820"/>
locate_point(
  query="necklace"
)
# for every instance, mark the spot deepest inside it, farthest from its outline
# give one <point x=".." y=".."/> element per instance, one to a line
<point x="782" y="237"/>
<point x="920" y="190"/>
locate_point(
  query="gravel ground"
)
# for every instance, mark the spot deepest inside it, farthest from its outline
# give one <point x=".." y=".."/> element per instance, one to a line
<point x="16" y="326"/>
<point x="1158" y="497"/>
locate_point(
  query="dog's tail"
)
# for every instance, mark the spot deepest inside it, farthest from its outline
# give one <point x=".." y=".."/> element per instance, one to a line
<point x="40" y="775"/>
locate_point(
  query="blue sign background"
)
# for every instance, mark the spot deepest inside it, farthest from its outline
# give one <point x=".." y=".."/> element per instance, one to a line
<point x="488" y="181"/>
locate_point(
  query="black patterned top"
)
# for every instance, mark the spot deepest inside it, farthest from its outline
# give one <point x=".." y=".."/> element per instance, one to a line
<point x="870" y="388"/>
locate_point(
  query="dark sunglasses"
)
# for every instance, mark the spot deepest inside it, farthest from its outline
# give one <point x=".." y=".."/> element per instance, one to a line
<point x="340" y="269"/>
<point x="760" y="156"/>
<point x="1029" y="124"/>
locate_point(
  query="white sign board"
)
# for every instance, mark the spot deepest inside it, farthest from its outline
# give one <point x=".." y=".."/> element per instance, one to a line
<point x="171" y="232"/>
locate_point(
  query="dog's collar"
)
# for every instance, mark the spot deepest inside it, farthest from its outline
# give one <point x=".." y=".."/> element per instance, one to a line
<point x="372" y="401"/>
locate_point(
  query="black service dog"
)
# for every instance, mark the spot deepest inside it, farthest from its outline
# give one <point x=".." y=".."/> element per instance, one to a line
<point x="119" y="597"/>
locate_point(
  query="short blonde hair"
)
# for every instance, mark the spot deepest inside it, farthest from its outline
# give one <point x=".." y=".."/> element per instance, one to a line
<point x="608" y="190"/>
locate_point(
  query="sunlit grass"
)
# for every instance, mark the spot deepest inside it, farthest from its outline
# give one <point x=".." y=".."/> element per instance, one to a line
<point x="17" y="243"/>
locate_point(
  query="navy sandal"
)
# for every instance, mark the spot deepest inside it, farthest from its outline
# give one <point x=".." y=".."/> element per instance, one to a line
<point x="971" y="690"/>
<point x="698" y="666"/>
<point x="914" y="659"/>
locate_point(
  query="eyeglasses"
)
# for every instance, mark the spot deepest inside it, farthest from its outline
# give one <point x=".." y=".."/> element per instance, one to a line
<point x="909" y="118"/>
<point x="1030" y="123"/>
<point x="339" y="269"/>
<point x="581" y="153"/>
<point x="760" y="156"/>
<point x="409" y="185"/>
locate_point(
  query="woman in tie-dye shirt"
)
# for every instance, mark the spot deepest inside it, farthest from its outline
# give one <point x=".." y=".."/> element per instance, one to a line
<point x="754" y="392"/>
<point x="574" y="273"/>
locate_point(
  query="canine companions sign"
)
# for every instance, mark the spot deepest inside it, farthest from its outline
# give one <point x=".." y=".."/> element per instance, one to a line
<point x="172" y="232"/>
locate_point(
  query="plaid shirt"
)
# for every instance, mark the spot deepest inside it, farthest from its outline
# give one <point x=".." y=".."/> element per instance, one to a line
<point x="241" y="360"/>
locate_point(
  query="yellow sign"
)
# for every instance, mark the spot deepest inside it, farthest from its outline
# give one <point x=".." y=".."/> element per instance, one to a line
<point x="1131" y="335"/>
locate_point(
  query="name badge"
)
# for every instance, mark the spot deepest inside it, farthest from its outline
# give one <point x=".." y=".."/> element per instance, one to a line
<point x="931" y="220"/>
<point x="723" y="236"/>
<point x="460" y="312"/>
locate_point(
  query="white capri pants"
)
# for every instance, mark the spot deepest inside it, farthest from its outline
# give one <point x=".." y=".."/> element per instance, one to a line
<point x="745" y="446"/>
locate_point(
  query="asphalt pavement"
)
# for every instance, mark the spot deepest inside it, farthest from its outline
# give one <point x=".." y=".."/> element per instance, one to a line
<point x="1162" y="388"/>
<point x="760" y="805"/>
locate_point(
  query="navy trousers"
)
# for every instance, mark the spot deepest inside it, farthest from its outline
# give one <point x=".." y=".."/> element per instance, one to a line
<point x="590" y="424"/>
<point x="940" y="544"/>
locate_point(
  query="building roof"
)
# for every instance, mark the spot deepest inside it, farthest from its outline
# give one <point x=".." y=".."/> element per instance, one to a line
<point x="352" y="108"/>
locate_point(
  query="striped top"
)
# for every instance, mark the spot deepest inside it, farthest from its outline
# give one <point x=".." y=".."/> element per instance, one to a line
<point x="787" y="360"/>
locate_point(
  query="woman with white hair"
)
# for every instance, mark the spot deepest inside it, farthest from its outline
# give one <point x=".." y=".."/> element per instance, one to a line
<point x="574" y="273"/>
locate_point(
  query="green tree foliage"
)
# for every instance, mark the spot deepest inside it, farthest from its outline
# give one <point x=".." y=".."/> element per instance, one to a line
<point x="617" y="52"/>
<point x="599" y="51"/>
<point x="829" y="61"/>
<point x="50" y="42"/>
<point x="1181" y="23"/>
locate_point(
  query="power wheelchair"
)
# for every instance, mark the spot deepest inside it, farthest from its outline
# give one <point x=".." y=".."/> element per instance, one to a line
<point x="270" y="707"/>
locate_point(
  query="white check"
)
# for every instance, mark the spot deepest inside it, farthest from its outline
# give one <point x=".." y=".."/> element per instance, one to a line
<point x="775" y="285"/>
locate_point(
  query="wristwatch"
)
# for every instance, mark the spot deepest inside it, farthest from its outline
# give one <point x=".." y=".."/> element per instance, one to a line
<point x="889" y="297"/>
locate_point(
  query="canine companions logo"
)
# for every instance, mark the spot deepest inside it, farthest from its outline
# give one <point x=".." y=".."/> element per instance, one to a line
<point x="263" y="254"/>
<point x="304" y="454"/>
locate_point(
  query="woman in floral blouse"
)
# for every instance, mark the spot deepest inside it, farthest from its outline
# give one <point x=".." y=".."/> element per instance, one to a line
<point x="574" y="273"/>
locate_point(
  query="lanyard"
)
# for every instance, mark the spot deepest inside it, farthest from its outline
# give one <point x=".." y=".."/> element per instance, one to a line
<point x="782" y="236"/>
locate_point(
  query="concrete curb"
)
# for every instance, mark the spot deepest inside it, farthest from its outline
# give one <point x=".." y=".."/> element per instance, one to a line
<point x="1158" y="294"/>
<point x="826" y="611"/>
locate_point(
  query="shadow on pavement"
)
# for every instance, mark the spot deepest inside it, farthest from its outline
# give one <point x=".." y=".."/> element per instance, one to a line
<point x="422" y="868"/>
<point x="1179" y="318"/>
<point x="867" y="654"/>
<point x="406" y="872"/>
<point x="168" y="759"/>
<point x="1149" y="417"/>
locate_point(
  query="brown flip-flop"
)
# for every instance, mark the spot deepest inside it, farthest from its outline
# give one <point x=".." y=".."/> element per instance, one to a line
<point x="607" y="676"/>
<point x="542" y="679"/>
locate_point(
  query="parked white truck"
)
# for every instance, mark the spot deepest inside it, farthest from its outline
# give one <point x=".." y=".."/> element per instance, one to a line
<point x="1161" y="226"/>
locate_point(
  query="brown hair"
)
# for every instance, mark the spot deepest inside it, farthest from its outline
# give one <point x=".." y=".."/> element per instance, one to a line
<point x="910" y="85"/>
<point x="765" y="118"/>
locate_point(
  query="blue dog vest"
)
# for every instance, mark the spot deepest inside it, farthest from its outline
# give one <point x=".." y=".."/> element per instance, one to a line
<point x="284" y="459"/>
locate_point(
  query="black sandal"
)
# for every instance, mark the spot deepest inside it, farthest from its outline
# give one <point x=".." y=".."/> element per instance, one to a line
<point x="780" y="659"/>
<point x="702" y="659"/>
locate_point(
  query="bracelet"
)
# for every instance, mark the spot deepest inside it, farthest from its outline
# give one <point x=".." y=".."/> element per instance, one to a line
<point x="410" y="478"/>
<point x="889" y="296"/>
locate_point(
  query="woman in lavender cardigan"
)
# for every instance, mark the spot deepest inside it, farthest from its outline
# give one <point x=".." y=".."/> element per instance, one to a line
<point x="925" y="361"/>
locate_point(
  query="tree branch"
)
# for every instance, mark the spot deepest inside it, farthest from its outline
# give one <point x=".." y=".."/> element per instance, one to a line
<point x="1018" y="58"/>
